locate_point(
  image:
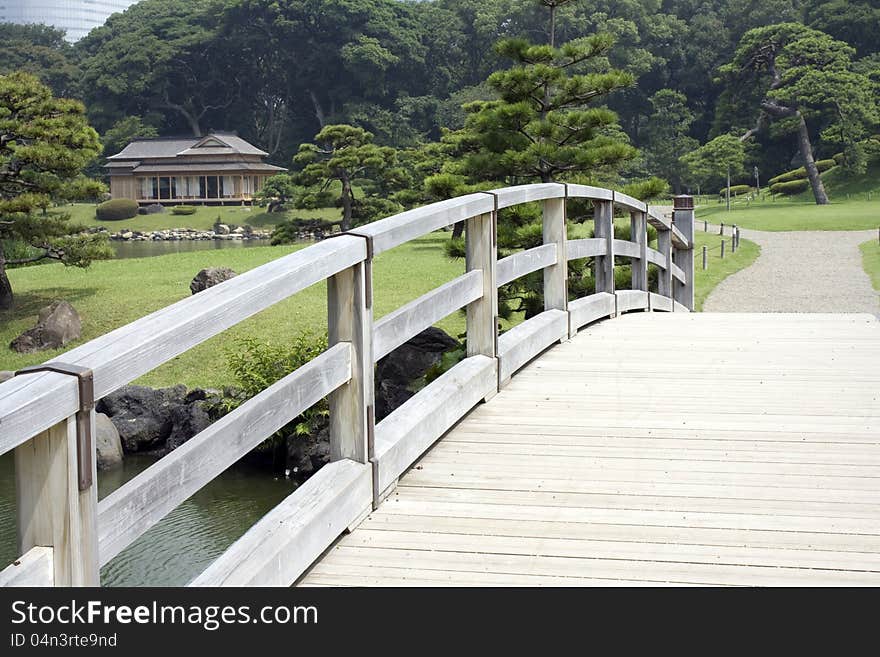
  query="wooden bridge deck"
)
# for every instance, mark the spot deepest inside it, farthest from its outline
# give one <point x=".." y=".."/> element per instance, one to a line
<point x="653" y="448"/>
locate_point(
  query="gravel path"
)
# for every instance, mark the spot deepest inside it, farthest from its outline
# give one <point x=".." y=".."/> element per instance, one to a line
<point x="808" y="272"/>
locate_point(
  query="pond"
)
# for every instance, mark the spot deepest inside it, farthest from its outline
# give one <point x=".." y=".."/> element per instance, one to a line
<point x="186" y="541"/>
<point x="150" y="248"/>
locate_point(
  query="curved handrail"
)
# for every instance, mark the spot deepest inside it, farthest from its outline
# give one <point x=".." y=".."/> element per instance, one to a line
<point x="369" y="455"/>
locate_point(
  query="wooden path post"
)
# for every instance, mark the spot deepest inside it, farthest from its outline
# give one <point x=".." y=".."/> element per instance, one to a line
<point x="683" y="219"/>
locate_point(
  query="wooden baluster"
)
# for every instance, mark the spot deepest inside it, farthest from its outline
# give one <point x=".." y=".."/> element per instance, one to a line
<point x="683" y="218"/>
<point x="482" y="314"/>
<point x="638" y="222"/>
<point x="604" y="228"/>
<point x="664" y="245"/>
<point x="52" y="511"/>
<point x="350" y="319"/>
<point x="556" y="277"/>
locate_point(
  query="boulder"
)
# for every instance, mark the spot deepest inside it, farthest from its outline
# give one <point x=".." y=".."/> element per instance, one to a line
<point x="57" y="325"/>
<point x="187" y="421"/>
<point x="155" y="208"/>
<point x="107" y="443"/>
<point x="411" y="360"/>
<point x="210" y="277"/>
<point x="143" y="416"/>
<point x="307" y="454"/>
<point x="6" y="375"/>
<point x="389" y="397"/>
<point x="221" y="229"/>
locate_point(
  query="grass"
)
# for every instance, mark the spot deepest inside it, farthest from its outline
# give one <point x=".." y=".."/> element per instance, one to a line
<point x="84" y="214"/>
<point x="871" y="261"/>
<point x="113" y="293"/>
<point x="718" y="269"/>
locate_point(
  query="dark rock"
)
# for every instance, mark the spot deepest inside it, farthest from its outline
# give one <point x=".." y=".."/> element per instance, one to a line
<point x="143" y="416"/>
<point x="209" y="278"/>
<point x="155" y="208"/>
<point x="57" y="325"/>
<point x="389" y="397"/>
<point x="6" y="375"/>
<point x="187" y="421"/>
<point x="307" y="454"/>
<point x="412" y="359"/>
<point x="108" y="445"/>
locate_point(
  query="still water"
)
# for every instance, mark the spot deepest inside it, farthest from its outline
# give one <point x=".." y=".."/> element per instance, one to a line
<point x="149" y="248"/>
<point x="186" y="541"/>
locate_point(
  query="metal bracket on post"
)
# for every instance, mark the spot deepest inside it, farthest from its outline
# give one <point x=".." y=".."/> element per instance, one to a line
<point x="494" y="219"/>
<point x="84" y="442"/>
<point x="368" y="240"/>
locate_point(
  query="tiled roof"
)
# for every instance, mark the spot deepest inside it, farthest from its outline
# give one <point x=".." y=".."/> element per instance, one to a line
<point x="214" y="144"/>
<point x="194" y="167"/>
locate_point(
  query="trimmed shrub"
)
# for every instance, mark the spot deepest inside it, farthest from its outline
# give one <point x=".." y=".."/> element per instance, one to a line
<point x="801" y="173"/>
<point x="116" y="210"/>
<point x="824" y="165"/>
<point x="183" y="209"/>
<point x="735" y="190"/>
<point x="791" y="187"/>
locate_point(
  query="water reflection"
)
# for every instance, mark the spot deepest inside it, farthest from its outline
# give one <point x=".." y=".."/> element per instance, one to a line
<point x="150" y="248"/>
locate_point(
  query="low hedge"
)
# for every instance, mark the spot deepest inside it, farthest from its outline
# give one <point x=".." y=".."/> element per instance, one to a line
<point x="791" y="187"/>
<point x="116" y="210"/>
<point x="801" y="173"/>
<point x="183" y="209"/>
<point x="735" y="190"/>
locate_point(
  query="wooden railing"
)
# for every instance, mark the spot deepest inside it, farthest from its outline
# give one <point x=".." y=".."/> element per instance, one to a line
<point x="65" y="534"/>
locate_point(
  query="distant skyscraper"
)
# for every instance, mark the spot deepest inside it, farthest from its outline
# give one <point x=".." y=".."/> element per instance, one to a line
<point x="76" y="17"/>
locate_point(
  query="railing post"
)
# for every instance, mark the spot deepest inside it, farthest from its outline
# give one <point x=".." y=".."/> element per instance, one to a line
<point x="482" y="314"/>
<point x="604" y="228"/>
<point x="350" y="319"/>
<point x="664" y="246"/>
<point x="638" y="222"/>
<point x="683" y="219"/>
<point x="52" y="510"/>
<point x="556" y="277"/>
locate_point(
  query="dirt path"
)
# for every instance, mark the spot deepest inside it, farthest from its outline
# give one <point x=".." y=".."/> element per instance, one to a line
<point x="810" y="272"/>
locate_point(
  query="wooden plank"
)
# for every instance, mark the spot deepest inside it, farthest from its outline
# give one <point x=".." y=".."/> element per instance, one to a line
<point x="604" y="229"/>
<point x="482" y="311"/>
<point x="586" y="248"/>
<point x="659" y="303"/>
<point x="678" y="239"/>
<point x="555" y="276"/>
<point x="629" y="203"/>
<point x="664" y="280"/>
<point x="589" y="309"/>
<point x="405" y="434"/>
<point x="33" y="403"/>
<point x="628" y="300"/>
<point x="639" y="267"/>
<point x="35" y="568"/>
<point x="132" y="509"/>
<point x="285" y="542"/>
<point x="350" y="323"/>
<point x="525" y="262"/>
<point x="523" y="342"/>
<point x="626" y="249"/>
<point x="406" y="226"/>
<point x="678" y="308"/>
<point x="399" y="326"/>
<point x="678" y="273"/>
<point x="52" y="511"/>
<point x="656" y="258"/>
<point x="656" y="219"/>
<point x="588" y="192"/>
<point x="518" y="194"/>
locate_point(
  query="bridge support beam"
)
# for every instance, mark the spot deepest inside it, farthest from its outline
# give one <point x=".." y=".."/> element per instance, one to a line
<point x="683" y="219"/>
<point x="350" y="319"/>
<point x="604" y="229"/>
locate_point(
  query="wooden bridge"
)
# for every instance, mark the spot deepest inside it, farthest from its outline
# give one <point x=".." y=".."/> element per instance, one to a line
<point x="623" y="439"/>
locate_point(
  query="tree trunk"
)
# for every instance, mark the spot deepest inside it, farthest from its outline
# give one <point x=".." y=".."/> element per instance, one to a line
<point x="319" y="111"/>
<point x="6" y="298"/>
<point x="346" y="203"/>
<point x="458" y="230"/>
<point x="806" y="149"/>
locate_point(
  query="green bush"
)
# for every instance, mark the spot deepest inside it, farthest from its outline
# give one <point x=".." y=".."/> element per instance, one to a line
<point x="791" y="187"/>
<point x="801" y="173"/>
<point x="116" y="210"/>
<point x="735" y="190"/>
<point x="183" y="209"/>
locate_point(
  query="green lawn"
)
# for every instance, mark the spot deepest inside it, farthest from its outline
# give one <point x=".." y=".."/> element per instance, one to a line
<point x="115" y="292"/>
<point x="854" y="214"/>
<point x="718" y="269"/>
<point x="871" y="261"/>
<point x="84" y="214"/>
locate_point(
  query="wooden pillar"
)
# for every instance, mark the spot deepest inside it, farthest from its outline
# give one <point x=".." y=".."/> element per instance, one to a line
<point x="664" y="245"/>
<point x="350" y="319"/>
<point x="52" y="511"/>
<point x="482" y="327"/>
<point x="683" y="219"/>
<point x="556" y="277"/>
<point x="604" y="228"/>
<point x="638" y="222"/>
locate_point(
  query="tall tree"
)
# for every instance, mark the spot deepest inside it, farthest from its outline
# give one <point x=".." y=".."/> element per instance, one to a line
<point x="717" y="161"/>
<point x="44" y="144"/>
<point x="342" y="153"/>
<point x="791" y="73"/>
<point x="665" y="136"/>
<point x="41" y="51"/>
